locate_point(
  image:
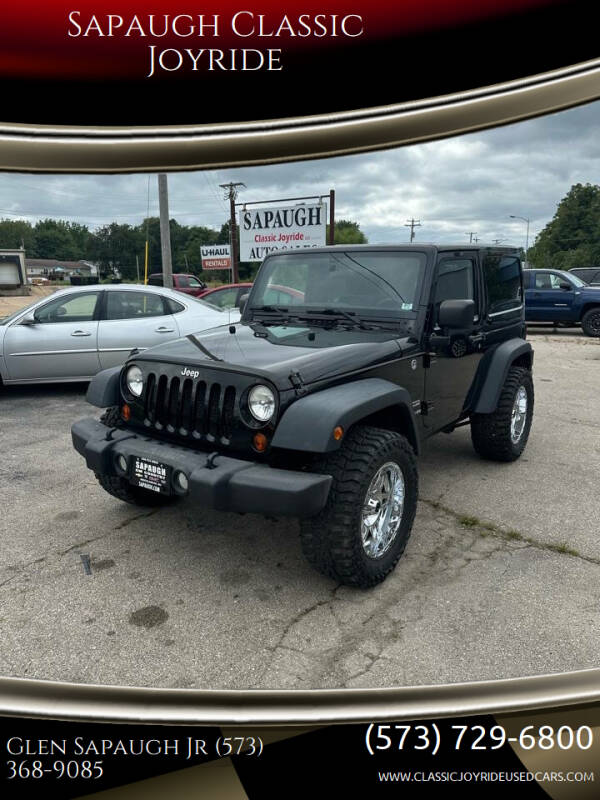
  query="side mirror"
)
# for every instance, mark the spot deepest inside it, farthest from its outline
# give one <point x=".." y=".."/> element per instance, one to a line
<point x="243" y="301"/>
<point x="565" y="285"/>
<point x="28" y="319"/>
<point x="457" y="314"/>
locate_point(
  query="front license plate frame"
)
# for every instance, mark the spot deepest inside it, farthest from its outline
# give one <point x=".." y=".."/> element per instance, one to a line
<point x="150" y="474"/>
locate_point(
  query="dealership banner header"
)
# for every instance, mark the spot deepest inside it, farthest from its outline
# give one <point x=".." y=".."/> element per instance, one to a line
<point x="281" y="228"/>
<point x="215" y="256"/>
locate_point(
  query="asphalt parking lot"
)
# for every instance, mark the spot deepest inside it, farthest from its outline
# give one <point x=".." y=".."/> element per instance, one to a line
<point x="501" y="577"/>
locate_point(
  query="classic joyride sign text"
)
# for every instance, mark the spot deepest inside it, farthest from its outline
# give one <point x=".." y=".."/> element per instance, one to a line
<point x="266" y="229"/>
<point x="218" y="28"/>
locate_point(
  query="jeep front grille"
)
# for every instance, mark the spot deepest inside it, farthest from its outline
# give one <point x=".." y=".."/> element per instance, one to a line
<point x="199" y="410"/>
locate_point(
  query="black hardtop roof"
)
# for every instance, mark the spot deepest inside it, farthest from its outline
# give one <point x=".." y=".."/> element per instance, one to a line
<point x="422" y="247"/>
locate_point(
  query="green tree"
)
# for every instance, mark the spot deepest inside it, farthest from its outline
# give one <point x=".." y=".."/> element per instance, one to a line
<point x="572" y="237"/>
<point x="59" y="239"/>
<point x="115" y="247"/>
<point x="347" y="232"/>
<point x="15" y="232"/>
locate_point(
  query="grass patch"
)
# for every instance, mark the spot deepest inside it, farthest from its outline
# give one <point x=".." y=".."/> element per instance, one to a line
<point x="564" y="548"/>
<point x="514" y="535"/>
<point x="469" y="522"/>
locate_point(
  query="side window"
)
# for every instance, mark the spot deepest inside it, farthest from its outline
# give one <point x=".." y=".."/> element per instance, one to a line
<point x="542" y="281"/>
<point x="455" y="281"/>
<point x="282" y="296"/>
<point x="547" y="280"/>
<point x="133" y="305"/>
<point x="502" y="275"/>
<point x="79" y="308"/>
<point x="183" y="282"/>
<point x="173" y="307"/>
<point x="225" y="298"/>
<point x="194" y="283"/>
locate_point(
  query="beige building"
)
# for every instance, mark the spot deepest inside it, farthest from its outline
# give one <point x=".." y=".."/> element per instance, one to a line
<point x="57" y="269"/>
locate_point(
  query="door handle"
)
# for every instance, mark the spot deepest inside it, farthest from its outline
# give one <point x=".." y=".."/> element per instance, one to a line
<point x="164" y="330"/>
<point x="81" y="333"/>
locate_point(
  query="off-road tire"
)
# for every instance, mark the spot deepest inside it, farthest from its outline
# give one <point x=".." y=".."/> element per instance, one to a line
<point x="120" y="487"/>
<point x="331" y="540"/>
<point x="590" y="322"/>
<point x="491" y="433"/>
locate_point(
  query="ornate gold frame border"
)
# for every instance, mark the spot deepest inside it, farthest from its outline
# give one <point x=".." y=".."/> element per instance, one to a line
<point x="21" y="697"/>
<point x="44" y="148"/>
<point x="84" y="149"/>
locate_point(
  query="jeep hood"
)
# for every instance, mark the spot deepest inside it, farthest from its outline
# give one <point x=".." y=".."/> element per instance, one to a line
<point x="329" y="354"/>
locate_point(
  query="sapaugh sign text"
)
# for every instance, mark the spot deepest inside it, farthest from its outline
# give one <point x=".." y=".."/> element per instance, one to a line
<point x="267" y="229"/>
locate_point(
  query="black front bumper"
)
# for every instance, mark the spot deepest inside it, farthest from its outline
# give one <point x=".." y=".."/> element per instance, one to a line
<point x="220" y="482"/>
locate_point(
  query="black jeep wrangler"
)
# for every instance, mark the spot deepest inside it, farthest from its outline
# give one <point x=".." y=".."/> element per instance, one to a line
<point x="316" y="403"/>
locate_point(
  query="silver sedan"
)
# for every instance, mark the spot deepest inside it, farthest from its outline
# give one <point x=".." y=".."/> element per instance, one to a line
<point x="74" y="333"/>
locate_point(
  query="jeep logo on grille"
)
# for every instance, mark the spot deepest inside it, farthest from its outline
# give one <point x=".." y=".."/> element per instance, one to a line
<point x="190" y="373"/>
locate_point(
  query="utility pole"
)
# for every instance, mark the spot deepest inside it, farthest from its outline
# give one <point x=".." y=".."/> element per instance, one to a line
<point x="165" y="233"/>
<point x="230" y="194"/>
<point x="412" y="224"/>
<point x="137" y="267"/>
<point x="471" y="234"/>
<point x="527" y="220"/>
<point x="331" y="216"/>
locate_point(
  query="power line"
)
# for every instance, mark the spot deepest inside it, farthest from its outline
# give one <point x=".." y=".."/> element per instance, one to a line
<point x="412" y="224"/>
<point x="231" y="192"/>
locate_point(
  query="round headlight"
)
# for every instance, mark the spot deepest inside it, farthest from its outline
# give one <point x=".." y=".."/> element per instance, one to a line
<point x="135" y="381"/>
<point x="261" y="402"/>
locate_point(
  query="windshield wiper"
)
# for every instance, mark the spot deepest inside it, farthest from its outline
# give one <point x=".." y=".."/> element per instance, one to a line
<point x="278" y="315"/>
<point x="270" y="309"/>
<point x="351" y="316"/>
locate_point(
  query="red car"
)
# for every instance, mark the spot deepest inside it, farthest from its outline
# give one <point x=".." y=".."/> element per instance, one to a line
<point x="188" y="284"/>
<point x="229" y="296"/>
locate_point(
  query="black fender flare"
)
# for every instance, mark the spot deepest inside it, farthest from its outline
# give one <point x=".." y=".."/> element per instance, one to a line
<point x="495" y="372"/>
<point x="307" y="425"/>
<point x="104" y="389"/>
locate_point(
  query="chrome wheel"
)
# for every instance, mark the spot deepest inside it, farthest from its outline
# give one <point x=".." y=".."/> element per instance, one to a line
<point x="382" y="510"/>
<point x="519" y="415"/>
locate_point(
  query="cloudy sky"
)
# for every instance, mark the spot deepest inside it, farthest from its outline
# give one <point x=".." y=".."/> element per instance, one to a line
<point x="454" y="186"/>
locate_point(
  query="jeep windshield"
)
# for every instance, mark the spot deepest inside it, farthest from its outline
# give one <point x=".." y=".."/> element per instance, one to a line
<point x="350" y="285"/>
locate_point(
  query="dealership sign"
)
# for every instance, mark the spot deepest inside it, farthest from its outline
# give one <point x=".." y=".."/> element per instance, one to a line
<point x="267" y="229"/>
<point x="215" y="256"/>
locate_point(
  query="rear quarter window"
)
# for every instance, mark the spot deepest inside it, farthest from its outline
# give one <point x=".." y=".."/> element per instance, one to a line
<point x="503" y="283"/>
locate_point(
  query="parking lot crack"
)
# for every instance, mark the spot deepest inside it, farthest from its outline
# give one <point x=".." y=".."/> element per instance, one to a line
<point x="118" y="527"/>
<point x="485" y="528"/>
<point x="8" y="580"/>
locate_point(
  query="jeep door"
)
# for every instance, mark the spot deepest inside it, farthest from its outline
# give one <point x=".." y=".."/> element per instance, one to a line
<point x="132" y="318"/>
<point x="59" y="343"/>
<point x="453" y="356"/>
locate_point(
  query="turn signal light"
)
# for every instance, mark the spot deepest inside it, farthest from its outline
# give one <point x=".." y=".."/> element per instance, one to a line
<point x="260" y="442"/>
<point x="126" y="412"/>
<point x="338" y="432"/>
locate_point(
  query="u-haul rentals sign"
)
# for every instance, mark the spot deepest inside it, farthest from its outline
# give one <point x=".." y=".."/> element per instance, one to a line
<point x="215" y="256"/>
<point x="267" y="229"/>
